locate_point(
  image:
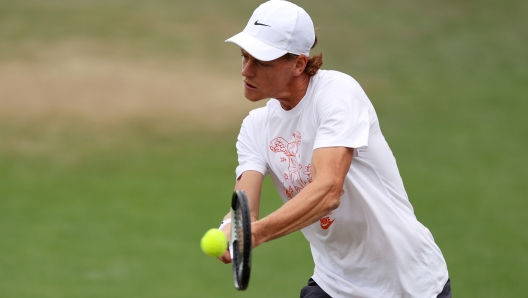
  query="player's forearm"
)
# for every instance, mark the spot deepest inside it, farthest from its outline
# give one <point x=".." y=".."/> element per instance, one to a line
<point x="330" y="167"/>
<point x="251" y="183"/>
<point x="315" y="201"/>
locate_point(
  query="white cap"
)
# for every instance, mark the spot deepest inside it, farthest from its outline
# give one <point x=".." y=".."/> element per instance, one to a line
<point x="276" y="28"/>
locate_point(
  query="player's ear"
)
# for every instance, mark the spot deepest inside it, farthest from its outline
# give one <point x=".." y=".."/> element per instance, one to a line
<point x="299" y="65"/>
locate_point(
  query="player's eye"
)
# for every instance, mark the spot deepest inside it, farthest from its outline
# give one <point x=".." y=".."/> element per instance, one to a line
<point x="263" y="63"/>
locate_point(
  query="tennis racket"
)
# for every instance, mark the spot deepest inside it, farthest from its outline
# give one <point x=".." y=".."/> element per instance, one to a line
<point x="240" y="242"/>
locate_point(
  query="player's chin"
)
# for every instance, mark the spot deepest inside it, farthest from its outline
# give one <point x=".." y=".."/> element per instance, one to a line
<point x="253" y="96"/>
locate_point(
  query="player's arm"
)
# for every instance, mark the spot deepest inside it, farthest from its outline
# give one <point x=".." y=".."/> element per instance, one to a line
<point x="251" y="183"/>
<point x="329" y="169"/>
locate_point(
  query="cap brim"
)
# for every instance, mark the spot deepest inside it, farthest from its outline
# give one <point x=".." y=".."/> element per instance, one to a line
<point x="256" y="48"/>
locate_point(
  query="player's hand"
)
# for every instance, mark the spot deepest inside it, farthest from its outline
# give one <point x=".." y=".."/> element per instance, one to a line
<point x="226" y="256"/>
<point x="255" y="241"/>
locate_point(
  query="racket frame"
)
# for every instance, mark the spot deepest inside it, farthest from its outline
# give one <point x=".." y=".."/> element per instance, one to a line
<point x="241" y="260"/>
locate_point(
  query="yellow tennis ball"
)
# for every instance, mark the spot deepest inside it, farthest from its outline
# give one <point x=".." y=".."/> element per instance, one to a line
<point x="214" y="243"/>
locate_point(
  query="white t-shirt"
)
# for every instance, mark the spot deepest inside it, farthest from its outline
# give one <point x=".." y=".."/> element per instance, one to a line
<point x="372" y="245"/>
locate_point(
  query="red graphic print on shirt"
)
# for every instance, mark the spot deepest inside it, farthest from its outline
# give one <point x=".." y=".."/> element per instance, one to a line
<point x="308" y="173"/>
<point x="294" y="180"/>
<point x="298" y="176"/>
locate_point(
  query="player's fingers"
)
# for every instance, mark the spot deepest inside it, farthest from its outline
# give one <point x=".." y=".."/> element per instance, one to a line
<point x="226" y="257"/>
<point x="227" y="231"/>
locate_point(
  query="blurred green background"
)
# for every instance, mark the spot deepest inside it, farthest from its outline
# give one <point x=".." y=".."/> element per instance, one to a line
<point x="118" y="121"/>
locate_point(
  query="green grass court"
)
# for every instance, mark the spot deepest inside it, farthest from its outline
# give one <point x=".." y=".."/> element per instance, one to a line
<point x="103" y="205"/>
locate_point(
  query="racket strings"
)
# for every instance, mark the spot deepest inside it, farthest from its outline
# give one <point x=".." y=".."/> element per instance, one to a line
<point x="240" y="230"/>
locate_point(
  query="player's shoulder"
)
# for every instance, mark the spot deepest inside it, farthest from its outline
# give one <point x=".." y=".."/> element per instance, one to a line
<point x="258" y="114"/>
<point x="334" y="86"/>
<point x="261" y="111"/>
<point x="334" y="77"/>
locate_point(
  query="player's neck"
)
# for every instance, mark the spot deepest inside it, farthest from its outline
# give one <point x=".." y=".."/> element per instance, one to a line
<point x="297" y="90"/>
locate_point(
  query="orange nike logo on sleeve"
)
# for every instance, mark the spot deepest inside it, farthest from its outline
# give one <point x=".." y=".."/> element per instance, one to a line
<point x="326" y="223"/>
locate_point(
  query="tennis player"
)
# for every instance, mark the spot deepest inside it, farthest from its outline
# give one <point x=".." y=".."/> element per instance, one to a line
<point x="319" y="139"/>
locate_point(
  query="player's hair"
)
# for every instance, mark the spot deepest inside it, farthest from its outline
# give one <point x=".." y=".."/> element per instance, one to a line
<point x="314" y="63"/>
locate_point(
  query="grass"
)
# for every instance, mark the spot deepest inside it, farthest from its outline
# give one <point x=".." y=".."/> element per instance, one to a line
<point x="118" y="211"/>
<point x="123" y="219"/>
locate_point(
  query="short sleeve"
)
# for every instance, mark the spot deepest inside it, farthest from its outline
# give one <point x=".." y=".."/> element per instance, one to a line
<point x="248" y="154"/>
<point x="342" y="115"/>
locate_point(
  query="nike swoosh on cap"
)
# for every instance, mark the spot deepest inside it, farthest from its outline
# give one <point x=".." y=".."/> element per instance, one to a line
<point x="260" y="24"/>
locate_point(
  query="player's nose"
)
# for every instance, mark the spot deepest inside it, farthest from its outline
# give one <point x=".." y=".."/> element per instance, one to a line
<point x="248" y="69"/>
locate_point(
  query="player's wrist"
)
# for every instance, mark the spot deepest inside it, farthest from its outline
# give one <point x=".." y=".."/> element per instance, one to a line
<point x="256" y="234"/>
